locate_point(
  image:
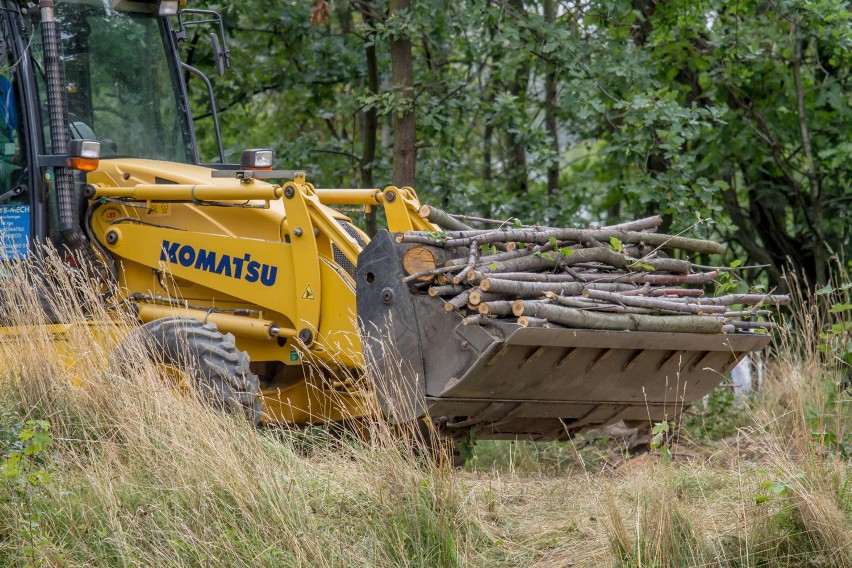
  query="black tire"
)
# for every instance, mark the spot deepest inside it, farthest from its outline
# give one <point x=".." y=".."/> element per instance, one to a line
<point x="220" y="370"/>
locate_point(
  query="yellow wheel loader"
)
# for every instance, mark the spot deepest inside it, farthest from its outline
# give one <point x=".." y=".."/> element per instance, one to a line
<point x="285" y="303"/>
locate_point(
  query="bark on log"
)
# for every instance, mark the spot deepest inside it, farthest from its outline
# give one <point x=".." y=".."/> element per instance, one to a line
<point x="746" y="313"/>
<point x="498" y="308"/>
<point x="652" y="303"/>
<point x="477" y="296"/>
<point x="650" y="278"/>
<point x="433" y="272"/>
<point x="489" y="258"/>
<point x="526" y="276"/>
<point x="471" y="264"/>
<point x="663" y="265"/>
<point x="596" y="254"/>
<point x="750" y="299"/>
<point x="449" y="290"/>
<point x="520" y="289"/>
<point x="474" y="319"/>
<point x="442" y="219"/>
<point x="582" y="303"/>
<point x="578" y="235"/>
<point x="646" y="224"/>
<point x="682" y="292"/>
<point x="458" y="302"/>
<point x="581" y="319"/>
<point x="528" y="321"/>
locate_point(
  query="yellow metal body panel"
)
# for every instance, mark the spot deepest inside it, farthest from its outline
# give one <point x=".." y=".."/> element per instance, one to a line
<point x="177" y="233"/>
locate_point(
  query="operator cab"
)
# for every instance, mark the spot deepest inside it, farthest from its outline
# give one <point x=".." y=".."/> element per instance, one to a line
<point x="123" y="87"/>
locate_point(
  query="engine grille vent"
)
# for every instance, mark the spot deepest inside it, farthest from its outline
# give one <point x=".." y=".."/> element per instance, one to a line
<point x="350" y="230"/>
<point x="343" y="262"/>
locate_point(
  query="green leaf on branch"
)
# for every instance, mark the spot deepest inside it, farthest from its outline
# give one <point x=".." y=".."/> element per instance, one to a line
<point x="839" y="308"/>
<point x="616" y="244"/>
<point x="642" y="266"/>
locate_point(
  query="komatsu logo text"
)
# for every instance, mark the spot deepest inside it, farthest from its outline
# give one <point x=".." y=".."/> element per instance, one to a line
<point x="240" y="267"/>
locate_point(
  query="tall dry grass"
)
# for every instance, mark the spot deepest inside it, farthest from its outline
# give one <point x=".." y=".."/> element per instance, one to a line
<point x="774" y="490"/>
<point x="788" y="481"/>
<point x="144" y="474"/>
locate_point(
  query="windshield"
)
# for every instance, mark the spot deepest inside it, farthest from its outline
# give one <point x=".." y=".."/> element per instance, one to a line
<point x="121" y="85"/>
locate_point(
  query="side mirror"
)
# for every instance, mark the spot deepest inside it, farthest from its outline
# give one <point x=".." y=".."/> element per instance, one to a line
<point x="219" y="57"/>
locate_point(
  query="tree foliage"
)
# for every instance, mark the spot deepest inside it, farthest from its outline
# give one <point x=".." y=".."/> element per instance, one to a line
<point x="730" y="117"/>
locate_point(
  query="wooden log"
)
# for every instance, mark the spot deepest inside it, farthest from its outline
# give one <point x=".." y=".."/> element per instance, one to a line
<point x="651" y="278"/>
<point x="651" y="303"/>
<point x="750" y="299"/>
<point x="471" y="263"/>
<point x="579" y="235"/>
<point x="498" y="308"/>
<point x="520" y="289"/>
<point x="419" y="260"/>
<point x="422" y="259"/>
<point x="477" y="296"/>
<point x="458" y="302"/>
<point x="528" y="321"/>
<point x="581" y="319"/>
<point x="419" y="287"/>
<point x="489" y="258"/>
<point x="746" y="313"/>
<point x="526" y="276"/>
<point x="681" y="292"/>
<point x="442" y="218"/>
<point x="582" y="303"/>
<point x="450" y="290"/>
<point x="646" y="224"/>
<point x="430" y="273"/>
<point x="479" y="319"/>
<point x="603" y="255"/>
<point x="662" y="265"/>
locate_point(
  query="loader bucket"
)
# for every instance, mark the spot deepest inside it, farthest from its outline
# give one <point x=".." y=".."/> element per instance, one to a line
<point x="506" y="381"/>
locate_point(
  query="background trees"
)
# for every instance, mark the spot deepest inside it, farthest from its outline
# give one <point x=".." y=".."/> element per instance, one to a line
<point x="730" y="117"/>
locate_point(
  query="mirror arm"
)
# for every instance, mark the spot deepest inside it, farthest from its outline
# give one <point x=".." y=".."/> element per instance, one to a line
<point x="214" y="112"/>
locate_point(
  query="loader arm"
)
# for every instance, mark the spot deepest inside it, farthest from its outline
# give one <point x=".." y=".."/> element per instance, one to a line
<point x="273" y="264"/>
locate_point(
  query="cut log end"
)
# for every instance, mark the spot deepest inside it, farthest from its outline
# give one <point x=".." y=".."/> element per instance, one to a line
<point x="419" y="259"/>
<point x="527" y="321"/>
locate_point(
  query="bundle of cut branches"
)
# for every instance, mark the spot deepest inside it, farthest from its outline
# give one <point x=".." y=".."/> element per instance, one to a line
<point x="617" y="277"/>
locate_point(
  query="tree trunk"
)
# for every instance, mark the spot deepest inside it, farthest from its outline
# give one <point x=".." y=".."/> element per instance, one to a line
<point x="516" y="163"/>
<point x="369" y="119"/>
<point x="550" y="110"/>
<point x="404" y="135"/>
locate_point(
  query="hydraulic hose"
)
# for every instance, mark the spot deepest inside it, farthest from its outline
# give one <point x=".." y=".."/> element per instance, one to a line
<point x="69" y="225"/>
